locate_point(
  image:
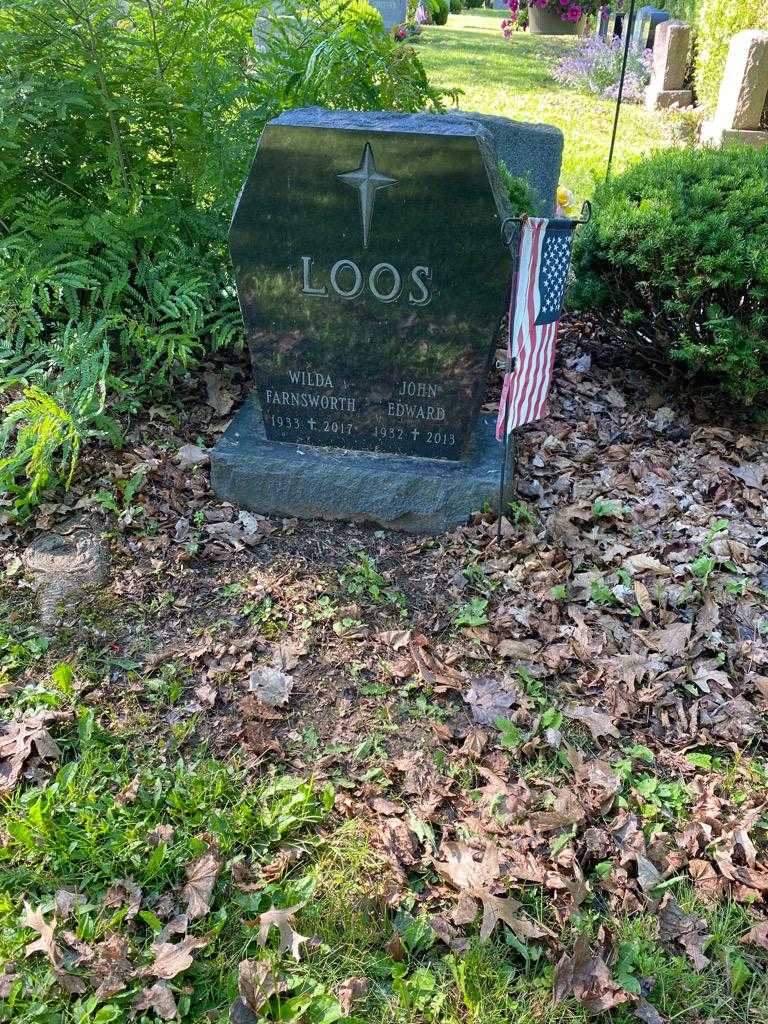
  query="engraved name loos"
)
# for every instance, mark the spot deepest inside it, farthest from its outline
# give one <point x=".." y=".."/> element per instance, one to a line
<point x="384" y="281"/>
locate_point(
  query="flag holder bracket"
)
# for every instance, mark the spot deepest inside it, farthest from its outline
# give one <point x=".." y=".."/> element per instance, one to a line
<point x="507" y="229"/>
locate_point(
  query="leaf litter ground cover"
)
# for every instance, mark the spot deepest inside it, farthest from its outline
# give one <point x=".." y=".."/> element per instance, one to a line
<point x="309" y="771"/>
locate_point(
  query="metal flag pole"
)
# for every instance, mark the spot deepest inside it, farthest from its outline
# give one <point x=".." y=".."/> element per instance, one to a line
<point x="508" y="367"/>
<point x="628" y="24"/>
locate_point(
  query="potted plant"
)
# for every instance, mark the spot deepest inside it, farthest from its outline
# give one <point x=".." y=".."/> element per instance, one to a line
<point x="549" y="17"/>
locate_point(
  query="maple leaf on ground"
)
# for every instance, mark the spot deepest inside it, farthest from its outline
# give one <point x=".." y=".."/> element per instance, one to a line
<point x="283" y="921"/>
<point x="157" y="997"/>
<point x="585" y="976"/>
<point x="173" y="958"/>
<point x="46" y="944"/>
<point x="598" y="723"/>
<point x="201" y="873"/>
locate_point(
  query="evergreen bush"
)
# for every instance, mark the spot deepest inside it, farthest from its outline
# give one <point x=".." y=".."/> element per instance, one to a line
<point x="455" y="6"/>
<point x="439" y="11"/>
<point x="678" y="245"/>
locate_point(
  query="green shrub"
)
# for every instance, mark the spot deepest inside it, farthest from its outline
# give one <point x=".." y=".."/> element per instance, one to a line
<point x="362" y="11"/>
<point x="471" y="4"/>
<point x="123" y="143"/>
<point x="717" y="21"/>
<point x="42" y="432"/>
<point x="439" y="11"/>
<point x="455" y="6"/>
<point x="678" y="246"/>
<point x="522" y="199"/>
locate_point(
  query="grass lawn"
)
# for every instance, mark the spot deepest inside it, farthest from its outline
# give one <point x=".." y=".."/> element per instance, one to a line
<point x="514" y="78"/>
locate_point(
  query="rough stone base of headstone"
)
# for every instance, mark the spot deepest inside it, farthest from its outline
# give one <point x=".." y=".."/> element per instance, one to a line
<point x="663" y="99"/>
<point x="713" y="134"/>
<point x="400" y="493"/>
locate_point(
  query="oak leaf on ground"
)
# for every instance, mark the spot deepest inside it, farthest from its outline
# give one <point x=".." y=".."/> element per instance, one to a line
<point x="290" y="940"/>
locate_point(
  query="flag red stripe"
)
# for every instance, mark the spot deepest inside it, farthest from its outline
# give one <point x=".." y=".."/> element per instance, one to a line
<point x="521" y="392"/>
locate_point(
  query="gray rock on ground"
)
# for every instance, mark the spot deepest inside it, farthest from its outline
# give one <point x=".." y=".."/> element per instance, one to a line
<point x="66" y="567"/>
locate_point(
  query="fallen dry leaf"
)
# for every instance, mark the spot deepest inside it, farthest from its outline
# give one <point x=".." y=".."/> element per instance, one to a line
<point x="757" y="936"/>
<point x="201" y="878"/>
<point x="125" y="893"/>
<point x="351" y="991"/>
<point x="173" y="958"/>
<point x="45" y="943"/>
<point x="257" y="982"/>
<point x="157" y="997"/>
<point x="491" y="699"/>
<point x="271" y="686"/>
<point x="687" y="930"/>
<point x="18" y="740"/>
<point x="585" y="976"/>
<point x="598" y="723"/>
<point x="283" y="921"/>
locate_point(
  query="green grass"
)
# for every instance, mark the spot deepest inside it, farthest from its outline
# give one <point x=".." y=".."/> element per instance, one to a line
<point x="513" y="78"/>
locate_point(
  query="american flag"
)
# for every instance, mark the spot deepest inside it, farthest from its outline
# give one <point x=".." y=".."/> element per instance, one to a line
<point x="544" y="256"/>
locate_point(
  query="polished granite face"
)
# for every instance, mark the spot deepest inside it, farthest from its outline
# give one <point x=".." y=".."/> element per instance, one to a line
<point x="372" y="278"/>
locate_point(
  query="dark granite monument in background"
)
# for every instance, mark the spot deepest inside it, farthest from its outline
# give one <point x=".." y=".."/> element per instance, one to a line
<point x="372" y="279"/>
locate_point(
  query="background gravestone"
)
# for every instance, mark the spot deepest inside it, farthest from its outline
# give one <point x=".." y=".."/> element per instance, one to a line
<point x="743" y="93"/>
<point x="373" y="280"/>
<point x="670" y="65"/>
<point x="646" y="21"/>
<point x="393" y="12"/>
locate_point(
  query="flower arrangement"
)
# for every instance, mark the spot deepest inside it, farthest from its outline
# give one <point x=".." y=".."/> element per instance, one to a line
<point x="596" y="66"/>
<point x="408" y="32"/>
<point x="569" y="10"/>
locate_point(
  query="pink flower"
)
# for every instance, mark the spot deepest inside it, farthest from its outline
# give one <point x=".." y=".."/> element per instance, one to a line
<point x="573" y="13"/>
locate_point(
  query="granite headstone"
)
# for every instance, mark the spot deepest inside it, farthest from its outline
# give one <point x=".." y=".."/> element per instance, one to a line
<point x="393" y="12"/>
<point x="372" y="280"/>
<point x="646" y="20"/>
